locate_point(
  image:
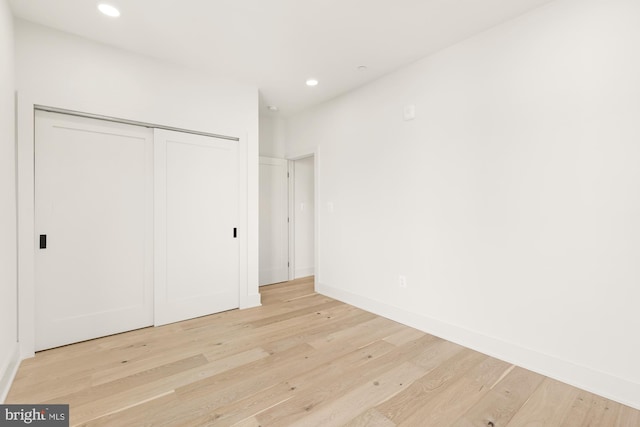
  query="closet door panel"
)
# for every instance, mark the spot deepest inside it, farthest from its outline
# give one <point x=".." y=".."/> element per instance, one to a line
<point x="93" y="202"/>
<point x="196" y="214"/>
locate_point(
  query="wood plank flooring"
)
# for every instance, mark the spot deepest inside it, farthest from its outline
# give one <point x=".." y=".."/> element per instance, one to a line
<point x="301" y="359"/>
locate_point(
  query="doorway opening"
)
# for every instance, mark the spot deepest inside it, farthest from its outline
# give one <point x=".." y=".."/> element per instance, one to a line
<point x="288" y="223"/>
<point x="302" y="217"/>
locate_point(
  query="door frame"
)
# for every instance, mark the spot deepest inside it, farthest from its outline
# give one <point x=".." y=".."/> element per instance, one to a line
<point x="26" y="105"/>
<point x="292" y="157"/>
<point x="291" y="215"/>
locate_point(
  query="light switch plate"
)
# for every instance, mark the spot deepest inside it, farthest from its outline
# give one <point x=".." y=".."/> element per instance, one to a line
<point x="409" y="112"/>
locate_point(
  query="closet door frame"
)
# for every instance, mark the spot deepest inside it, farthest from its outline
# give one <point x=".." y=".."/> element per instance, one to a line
<point x="26" y="105"/>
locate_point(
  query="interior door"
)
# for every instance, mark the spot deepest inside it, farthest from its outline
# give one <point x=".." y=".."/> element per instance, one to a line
<point x="94" y="228"/>
<point x="303" y="217"/>
<point x="274" y="235"/>
<point x="196" y="220"/>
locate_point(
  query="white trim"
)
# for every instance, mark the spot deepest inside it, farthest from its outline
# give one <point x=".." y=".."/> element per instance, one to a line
<point x="9" y="371"/>
<point x="25" y="115"/>
<point x="304" y="272"/>
<point x="600" y="383"/>
<point x="316" y="213"/>
<point x="291" y="188"/>
<point x="159" y="224"/>
<point x="253" y="300"/>
<point x="270" y="277"/>
<point x="248" y="202"/>
<point x="247" y="300"/>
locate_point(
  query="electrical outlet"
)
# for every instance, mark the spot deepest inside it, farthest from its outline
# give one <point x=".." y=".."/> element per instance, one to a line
<point x="402" y="281"/>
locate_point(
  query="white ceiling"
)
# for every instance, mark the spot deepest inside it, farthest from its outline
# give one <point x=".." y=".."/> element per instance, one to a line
<point x="276" y="45"/>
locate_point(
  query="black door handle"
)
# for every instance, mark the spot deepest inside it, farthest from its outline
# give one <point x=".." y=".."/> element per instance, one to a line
<point x="43" y="241"/>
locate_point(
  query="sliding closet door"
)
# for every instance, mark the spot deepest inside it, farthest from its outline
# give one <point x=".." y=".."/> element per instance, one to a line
<point x="196" y="215"/>
<point x="94" y="223"/>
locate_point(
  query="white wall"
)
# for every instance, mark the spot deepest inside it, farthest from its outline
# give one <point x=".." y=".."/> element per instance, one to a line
<point x="272" y="136"/>
<point x="64" y="71"/>
<point x="8" y="301"/>
<point x="511" y="202"/>
<point x="304" y="208"/>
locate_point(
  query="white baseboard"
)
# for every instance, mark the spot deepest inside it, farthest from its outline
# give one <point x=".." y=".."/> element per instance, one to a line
<point x="593" y="381"/>
<point x="9" y="371"/>
<point x="304" y="272"/>
<point x="252" y="301"/>
<point x="268" y="277"/>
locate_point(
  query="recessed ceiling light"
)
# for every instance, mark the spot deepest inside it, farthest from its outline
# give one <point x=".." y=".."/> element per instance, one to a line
<point x="272" y="107"/>
<point x="312" y="82"/>
<point x="108" y="10"/>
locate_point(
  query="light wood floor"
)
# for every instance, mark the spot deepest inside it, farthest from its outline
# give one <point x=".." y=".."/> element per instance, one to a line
<point x="301" y="359"/>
